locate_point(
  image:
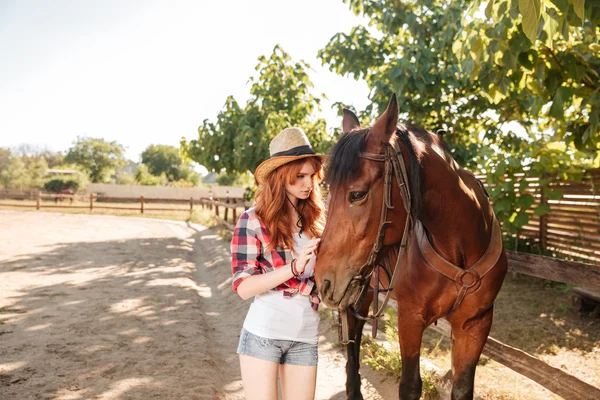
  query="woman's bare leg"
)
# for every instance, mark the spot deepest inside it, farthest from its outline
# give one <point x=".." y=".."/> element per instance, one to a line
<point x="259" y="378"/>
<point x="298" y="381"/>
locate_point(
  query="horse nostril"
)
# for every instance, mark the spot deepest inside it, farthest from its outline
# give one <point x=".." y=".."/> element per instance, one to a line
<point x="326" y="285"/>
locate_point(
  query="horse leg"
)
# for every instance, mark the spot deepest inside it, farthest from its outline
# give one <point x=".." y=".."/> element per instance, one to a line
<point x="410" y="335"/>
<point x="355" y="328"/>
<point x="469" y="338"/>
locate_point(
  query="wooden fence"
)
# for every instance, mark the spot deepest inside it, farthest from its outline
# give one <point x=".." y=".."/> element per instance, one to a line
<point x="93" y="202"/>
<point x="572" y="227"/>
<point x="227" y="204"/>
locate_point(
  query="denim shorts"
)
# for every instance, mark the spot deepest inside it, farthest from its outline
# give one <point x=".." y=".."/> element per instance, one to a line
<point x="278" y="351"/>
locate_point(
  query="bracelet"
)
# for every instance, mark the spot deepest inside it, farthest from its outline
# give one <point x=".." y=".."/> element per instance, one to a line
<point x="294" y="270"/>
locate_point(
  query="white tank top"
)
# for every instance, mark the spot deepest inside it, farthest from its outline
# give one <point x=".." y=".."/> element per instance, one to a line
<point x="275" y="317"/>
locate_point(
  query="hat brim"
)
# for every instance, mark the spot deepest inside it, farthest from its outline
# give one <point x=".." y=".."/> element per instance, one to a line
<point x="266" y="167"/>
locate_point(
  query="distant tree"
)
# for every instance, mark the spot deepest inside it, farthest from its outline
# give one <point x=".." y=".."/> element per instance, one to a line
<point x="36" y="170"/>
<point x="281" y="96"/>
<point x="163" y="159"/>
<point x="5" y="155"/>
<point x="30" y="153"/>
<point x="144" y="177"/>
<point x="125" y="178"/>
<point x="97" y="157"/>
<point x="14" y="175"/>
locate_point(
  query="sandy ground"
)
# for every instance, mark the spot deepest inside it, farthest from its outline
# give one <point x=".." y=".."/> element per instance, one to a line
<point x="104" y="307"/>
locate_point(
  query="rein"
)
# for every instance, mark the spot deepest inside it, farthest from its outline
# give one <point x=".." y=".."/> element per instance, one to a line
<point x="394" y="165"/>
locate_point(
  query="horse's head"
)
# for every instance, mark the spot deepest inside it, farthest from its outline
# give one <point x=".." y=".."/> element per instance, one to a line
<point x="355" y="207"/>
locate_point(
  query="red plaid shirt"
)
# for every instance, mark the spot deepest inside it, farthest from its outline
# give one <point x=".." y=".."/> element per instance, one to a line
<point x="249" y="257"/>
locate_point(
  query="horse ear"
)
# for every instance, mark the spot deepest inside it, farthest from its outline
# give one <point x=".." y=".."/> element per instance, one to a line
<point x="350" y="121"/>
<point x="385" y="126"/>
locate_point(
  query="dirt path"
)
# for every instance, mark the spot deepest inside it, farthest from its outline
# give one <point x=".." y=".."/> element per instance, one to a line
<point x="103" y="307"/>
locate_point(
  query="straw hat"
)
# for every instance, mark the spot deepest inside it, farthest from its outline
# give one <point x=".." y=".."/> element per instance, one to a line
<point x="289" y="145"/>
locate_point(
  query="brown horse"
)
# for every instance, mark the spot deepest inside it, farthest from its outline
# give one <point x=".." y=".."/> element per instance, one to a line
<point x="399" y="200"/>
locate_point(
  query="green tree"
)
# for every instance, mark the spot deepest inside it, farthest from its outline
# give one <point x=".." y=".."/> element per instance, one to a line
<point x="17" y="173"/>
<point x="280" y="97"/>
<point x="97" y="157"/>
<point x="540" y="60"/>
<point x="144" y="177"/>
<point x="5" y="155"/>
<point x="30" y="153"/>
<point x="167" y="159"/>
<point x="14" y="175"/>
<point x="455" y="70"/>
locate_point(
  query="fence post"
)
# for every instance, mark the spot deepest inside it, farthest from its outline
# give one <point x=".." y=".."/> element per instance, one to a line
<point x="216" y="203"/>
<point x="142" y="204"/>
<point x="543" y="233"/>
<point x="38" y="198"/>
<point x="226" y="208"/>
<point x="235" y="214"/>
<point x="191" y="205"/>
<point x="91" y="202"/>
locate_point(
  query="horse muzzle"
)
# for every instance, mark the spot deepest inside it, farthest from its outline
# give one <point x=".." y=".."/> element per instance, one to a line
<point x="345" y="297"/>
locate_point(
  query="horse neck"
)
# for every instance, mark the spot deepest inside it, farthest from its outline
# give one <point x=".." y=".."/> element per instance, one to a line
<point x="456" y="222"/>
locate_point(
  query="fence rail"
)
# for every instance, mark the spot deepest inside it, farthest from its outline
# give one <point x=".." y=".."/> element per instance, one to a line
<point x="572" y="227"/>
<point x="95" y="202"/>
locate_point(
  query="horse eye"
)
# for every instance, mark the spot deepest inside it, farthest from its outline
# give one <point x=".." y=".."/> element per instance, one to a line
<point x="357" y="196"/>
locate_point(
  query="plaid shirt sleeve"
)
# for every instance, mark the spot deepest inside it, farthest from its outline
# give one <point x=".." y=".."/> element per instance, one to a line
<point x="245" y="249"/>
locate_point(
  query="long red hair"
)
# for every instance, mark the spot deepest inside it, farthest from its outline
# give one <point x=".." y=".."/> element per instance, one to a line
<point x="271" y="203"/>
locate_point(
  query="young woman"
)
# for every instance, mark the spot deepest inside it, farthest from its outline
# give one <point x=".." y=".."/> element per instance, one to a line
<point x="273" y="254"/>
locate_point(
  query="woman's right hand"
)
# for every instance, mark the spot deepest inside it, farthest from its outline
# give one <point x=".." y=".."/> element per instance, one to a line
<point x="306" y="254"/>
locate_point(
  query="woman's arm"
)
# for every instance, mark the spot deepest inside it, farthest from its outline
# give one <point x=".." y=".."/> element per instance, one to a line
<point x="256" y="284"/>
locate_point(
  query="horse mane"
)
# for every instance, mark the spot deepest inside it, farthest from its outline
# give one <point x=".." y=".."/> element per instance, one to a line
<point x="343" y="165"/>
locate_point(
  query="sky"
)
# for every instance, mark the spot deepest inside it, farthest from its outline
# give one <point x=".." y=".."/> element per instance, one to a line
<point x="149" y="72"/>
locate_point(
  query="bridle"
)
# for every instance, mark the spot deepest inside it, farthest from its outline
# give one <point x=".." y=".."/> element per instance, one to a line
<point x="394" y="166"/>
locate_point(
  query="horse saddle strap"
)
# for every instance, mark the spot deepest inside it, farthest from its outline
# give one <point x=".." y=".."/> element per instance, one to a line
<point x="468" y="278"/>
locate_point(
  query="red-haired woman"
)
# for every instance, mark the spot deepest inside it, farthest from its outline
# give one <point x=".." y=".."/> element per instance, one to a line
<point x="273" y="254"/>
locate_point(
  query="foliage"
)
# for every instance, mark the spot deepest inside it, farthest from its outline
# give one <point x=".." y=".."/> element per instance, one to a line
<point x="125" y="178"/>
<point x="235" y="179"/>
<point x="98" y="157"/>
<point x="540" y="60"/>
<point x="30" y="153"/>
<point x="57" y="185"/>
<point x="144" y="177"/>
<point x="509" y="106"/>
<point x="239" y="138"/>
<point x="167" y="159"/>
<point x="15" y="173"/>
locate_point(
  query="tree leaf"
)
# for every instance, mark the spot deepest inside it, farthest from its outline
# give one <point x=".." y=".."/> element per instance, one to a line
<point x="542" y="209"/>
<point x="531" y="11"/>
<point x="578" y="5"/>
<point x="557" y="110"/>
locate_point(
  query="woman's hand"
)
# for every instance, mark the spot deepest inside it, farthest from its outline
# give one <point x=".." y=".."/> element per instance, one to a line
<point x="306" y="254"/>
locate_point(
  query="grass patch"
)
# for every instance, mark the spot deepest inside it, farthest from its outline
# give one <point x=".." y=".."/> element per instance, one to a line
<point x="5" y="332"/>
<point x="385" y="357"/>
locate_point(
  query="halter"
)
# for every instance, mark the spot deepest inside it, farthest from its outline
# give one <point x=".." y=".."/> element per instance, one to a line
<point x="394" y="165"/>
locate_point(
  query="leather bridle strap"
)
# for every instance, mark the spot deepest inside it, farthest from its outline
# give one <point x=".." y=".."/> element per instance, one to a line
<point x="394" y="166"/>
